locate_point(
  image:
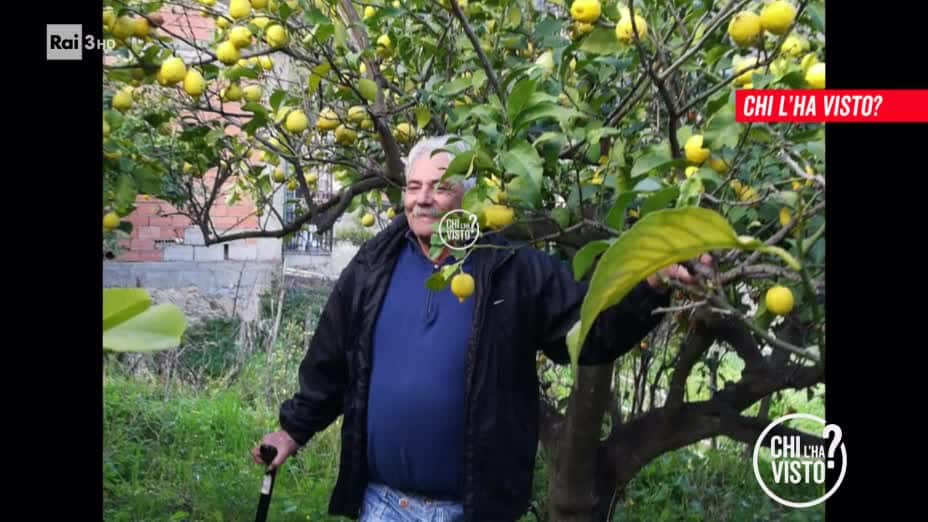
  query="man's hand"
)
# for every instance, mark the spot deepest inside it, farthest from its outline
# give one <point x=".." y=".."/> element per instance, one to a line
<point x="281" y="440"/>
<point x="678" y="273"/>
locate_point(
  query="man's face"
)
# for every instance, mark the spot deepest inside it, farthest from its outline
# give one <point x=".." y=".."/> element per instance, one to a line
<point x="427" y="198"/>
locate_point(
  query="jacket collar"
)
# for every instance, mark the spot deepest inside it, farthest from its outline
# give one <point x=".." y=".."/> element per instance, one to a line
<point x="388" y="242"/>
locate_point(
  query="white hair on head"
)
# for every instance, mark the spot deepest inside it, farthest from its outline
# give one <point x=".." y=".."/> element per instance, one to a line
<point x="430" y="144"/>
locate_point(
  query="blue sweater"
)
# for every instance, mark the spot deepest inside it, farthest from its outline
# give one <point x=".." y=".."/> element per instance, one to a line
<point x="416" y="405"/>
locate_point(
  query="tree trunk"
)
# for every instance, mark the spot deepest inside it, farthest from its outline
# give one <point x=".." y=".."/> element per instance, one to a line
<point x="574" y="463"/>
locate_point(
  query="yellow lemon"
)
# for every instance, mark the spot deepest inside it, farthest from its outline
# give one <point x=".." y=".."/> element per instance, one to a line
<point x="223" y="23"/>
<point x="122" y="101"/>
<point x="462" y="286"/>
<point x="403" y="132"/>
<point x="695" y="152"/>
<point x="296" y="122"/>
<point x="109" y="17"/>
<point x="367" y="220"/>
<point x="278" y="175"/>
<point x="797" y="186"/>
<point x="384" y="46"/>
<point x="239" y="9"/>
<point x="808" y="61"/>
<point x="369" y="12"/>
<point x="106" y="129"/>
<point x="345" y="136"/>
<point x="124" y="27"/>
<point x="194" y="84"/>
<point x="276" y="36"/>
<point x="252" y="93"/>
<point x="292" y="185"/>
<point x="586" y="11"/>
<point x="391" y="213"/>
<point x="173" y="70"/>
<point x="718" y="164"/>
<point x="261" y="21"/>
<point x="259" y="4"/>
<point x="794" y="46"/>
<point x="624" y="30"/>
<point x="745" y="68"/>
<point x="357" y="114"/>
<point x="327" y="121"/>
<point x="232" y="93"/>
<point x="266" y="62"/>
<point x="498" y="216"/>
<point x="582" y="28"/>
<point x="785" y="216"/>
<point x="777" y="16"/>
<point x="367" y="124"/>
<point x="228" y="53"/>
<point x="815" y="76"/>
<point x="692" y="169"/>
<point x="312" y="177"/>
<point x="141" y="27"/>
<point x="240" y="36"/>
<point x="110" y="221"/>
<point x="745" y="28"/>
<point x="779" y="300"/>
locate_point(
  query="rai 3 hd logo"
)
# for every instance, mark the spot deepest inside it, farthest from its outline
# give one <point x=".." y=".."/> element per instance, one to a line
<point x="793" y="467"/>
<point x="68" y="42"/>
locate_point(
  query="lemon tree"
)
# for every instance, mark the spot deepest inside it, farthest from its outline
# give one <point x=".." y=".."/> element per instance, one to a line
<point x="601" y="132"/>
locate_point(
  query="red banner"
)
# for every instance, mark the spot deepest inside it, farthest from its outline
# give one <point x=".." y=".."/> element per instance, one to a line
<point x="831" y="106"/>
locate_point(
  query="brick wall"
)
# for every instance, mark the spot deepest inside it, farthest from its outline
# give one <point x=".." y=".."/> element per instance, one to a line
<point x="157" y="234"/>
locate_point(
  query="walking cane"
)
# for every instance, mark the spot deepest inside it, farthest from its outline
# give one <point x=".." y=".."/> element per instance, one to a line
<point x="268" y="453"/>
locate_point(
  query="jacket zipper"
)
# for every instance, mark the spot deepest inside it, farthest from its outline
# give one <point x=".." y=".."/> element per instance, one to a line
<point x="475" y="341"/>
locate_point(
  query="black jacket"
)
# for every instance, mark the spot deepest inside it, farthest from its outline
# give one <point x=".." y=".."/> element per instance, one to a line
<point x="525" y="301"/>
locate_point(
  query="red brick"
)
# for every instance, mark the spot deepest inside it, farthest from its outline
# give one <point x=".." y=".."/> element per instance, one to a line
<point x="240" y="210"/>
<point x="180" y="221"/>
<point x="148" y="208"/>
<point x="149" y="232"/>
<point x="223" y="223"/>
<point x="138" y="221"/>
<point x="156" y="221"/>
<point x="129" y="255"/>
<point x="142" y="244"/>
<point x="151" y="255"/>
<point x="219" y="211"/>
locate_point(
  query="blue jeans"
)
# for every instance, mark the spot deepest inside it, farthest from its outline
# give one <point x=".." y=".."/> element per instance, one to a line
<point x="385" y="504"/>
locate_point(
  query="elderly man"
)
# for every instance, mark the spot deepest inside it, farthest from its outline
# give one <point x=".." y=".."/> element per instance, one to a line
<point x="440" y="396"/>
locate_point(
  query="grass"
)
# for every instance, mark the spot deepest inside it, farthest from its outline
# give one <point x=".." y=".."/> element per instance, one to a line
<point x="179" y="448"/>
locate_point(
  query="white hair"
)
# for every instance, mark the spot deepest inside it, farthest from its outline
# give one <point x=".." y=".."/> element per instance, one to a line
<point x="430" y="144"/>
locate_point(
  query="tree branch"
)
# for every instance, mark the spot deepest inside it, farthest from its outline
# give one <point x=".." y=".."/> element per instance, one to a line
<point x="479" y="50"/>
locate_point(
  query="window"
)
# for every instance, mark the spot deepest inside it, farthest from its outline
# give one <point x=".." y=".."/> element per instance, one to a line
<point x="307" y="240"/>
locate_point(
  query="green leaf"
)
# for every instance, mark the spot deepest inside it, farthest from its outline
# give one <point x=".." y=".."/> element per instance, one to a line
<point x="561" y="216"/>
<point x="708" y="175"/>
<point x="787" y="197"/>
<point x="460" y="165"/>
<point x="584" y="258"/>
<point x="478" y="78"/>
<point x="650" y="162"/>
<point x="690" y="190"/>
<point x="324" y="32"/>
<point x="121" y="304"/>
<point x="318" y="73"/>
<point x="276" y="98"/>
<point x="659" y="200"/>
<point x="442" y="278"/>
<point x="616" y="217"/>
<point x="617" y="153"/>
<point x="722" y="129"/>
<point x="656" y="241"/>
<point x="147" y="180"/>
<point x="542" y="111"/>
<point x="256" y="108"/>
<point x="601" y="41"/>
<point x="368" y="89"/>
<point x="314" y="16"/>
<point x="159" y="327"/>
<point x="520" y="96"/>
<point x="125" y="192"/>
<point x="456" y="87"/>
<point x="817" y="16"/>
<point x="717" y="103"/>
<point x="523" y="161"/>
<point x="423" y="116"/>
<point x="817" y="148"/>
